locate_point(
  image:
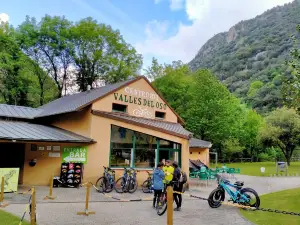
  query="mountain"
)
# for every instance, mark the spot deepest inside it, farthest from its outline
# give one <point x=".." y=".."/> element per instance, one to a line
<point x="249" y="58"/>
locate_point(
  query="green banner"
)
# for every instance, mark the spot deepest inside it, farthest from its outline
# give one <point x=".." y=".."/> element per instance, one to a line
<point x="75" y="154"/>
<point x="11" y="177"/>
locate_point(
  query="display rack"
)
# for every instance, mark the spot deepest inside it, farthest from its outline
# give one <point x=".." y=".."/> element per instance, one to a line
<point x="71" y="174"/>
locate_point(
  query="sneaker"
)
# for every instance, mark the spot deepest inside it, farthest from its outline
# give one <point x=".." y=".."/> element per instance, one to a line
<point x="177" y="209"/>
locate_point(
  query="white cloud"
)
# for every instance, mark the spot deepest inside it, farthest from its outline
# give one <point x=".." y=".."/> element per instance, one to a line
<point x="208" y="18"/>
<point x="4" y="17"/>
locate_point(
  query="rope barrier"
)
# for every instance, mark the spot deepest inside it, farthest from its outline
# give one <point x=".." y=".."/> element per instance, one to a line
<point x="26" y="209"/>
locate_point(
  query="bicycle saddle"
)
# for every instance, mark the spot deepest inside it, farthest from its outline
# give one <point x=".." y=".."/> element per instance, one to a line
<point x="239" y="183"/>
<point x="226" y="181"/>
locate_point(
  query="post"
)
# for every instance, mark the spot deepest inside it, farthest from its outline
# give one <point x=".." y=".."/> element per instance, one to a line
<point x="2" y="190"/>
<point x="50" y="190"/>
<point x="33" y="208"/>
<point x="86" y="212"/>
<point x="2" y="204"/>
<point x="169" y="205"/>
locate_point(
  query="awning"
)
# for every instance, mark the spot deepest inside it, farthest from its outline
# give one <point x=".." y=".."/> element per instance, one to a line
<point x="197" y="143"/>
<point x="23" y="131"/>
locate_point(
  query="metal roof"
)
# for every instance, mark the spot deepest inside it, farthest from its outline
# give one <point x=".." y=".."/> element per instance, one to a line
<point x="77" y="101"/>
<point x="18" y="111"/>
<point x="172" y="128"/>
<point x="23" y="131"/>
<point x="197" y="143"/>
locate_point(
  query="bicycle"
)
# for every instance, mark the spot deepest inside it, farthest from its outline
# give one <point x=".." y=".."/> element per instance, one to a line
<point x="147" y="184"/>
<point x="106" y="183"/>
<point x="128" y="182"/>
<point x="161" y="206"/>
<point x="241" y="196"/>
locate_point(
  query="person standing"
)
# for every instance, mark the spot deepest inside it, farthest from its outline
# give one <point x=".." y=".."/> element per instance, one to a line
<point x="168" y="170"/>
<point x="178" y="186"/>
<point x="158" y="185"/>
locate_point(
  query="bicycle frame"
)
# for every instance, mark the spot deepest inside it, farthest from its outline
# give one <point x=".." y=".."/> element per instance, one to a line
<point x="236" y="195"/>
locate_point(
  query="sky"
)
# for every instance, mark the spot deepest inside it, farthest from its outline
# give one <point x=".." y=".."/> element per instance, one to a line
<point x="168" y="30"/>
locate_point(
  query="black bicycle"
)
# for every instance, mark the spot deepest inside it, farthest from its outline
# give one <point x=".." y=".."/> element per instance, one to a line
<point x="147" y="184"/>
<point x="128" y="182"/>
<point x="161" y="206"/>
<point x="106" y="183"/>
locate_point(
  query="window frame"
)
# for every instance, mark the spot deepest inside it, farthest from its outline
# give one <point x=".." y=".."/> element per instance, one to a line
<point x="157" y="150"/>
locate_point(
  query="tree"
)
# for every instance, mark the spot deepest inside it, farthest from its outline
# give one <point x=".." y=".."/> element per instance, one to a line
<point x="282" y="130"/>
<point x="254" y="87"/>
<point x="47" y="44"/>
<point x="174" y="85"/>
<point x="207" y="107"/>
<point x="13" y="78"/>
<point x="291" y="86"/>
<point x="101" y="54"/>
<point x="27" y="44"/>
<point x="249" y="131"/>
<point x="154" y="71"/>
<point x="232" y="147"/>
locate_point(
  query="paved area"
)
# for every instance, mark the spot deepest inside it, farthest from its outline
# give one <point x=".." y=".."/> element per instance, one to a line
<point x="63" y="209"/>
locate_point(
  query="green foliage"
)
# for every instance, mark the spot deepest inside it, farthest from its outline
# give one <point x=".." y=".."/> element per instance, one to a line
<point x="232" y="147"/>
<point x="210" y="111"/>
<point x="47" y="44"/>
<point x="254" y="87"/>
<point x="282" y="130"/>
<point x="101" y="54"/>
<point x="251" y="51"/>
<point x="18" y="82"/>
<point x="155" y="71"/>
<point x="291" y="87"/>
<point x="84" y="53"/>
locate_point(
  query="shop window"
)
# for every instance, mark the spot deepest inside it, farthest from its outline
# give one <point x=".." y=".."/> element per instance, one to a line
<point x="119" y="107"/>
<point x="160" y="115"/>
<point x="121" y="147"/>
<point x="134" y="149"/>
<point x="145" y="146"/>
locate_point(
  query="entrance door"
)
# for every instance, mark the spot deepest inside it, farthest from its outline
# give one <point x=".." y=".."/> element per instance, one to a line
<point x="13" y="156"/>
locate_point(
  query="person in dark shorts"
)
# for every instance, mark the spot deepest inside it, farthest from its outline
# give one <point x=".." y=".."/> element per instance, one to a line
<point x="158" y="184"/>
<point x="178" y="186"/>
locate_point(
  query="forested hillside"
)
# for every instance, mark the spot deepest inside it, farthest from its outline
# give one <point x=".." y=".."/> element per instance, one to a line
<point x="250" y="58"/>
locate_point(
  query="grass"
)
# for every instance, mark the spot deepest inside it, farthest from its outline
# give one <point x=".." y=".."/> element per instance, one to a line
<point x="253" y="169"/>
<point x="9" y="219"/>
<point x="287" y="200"/>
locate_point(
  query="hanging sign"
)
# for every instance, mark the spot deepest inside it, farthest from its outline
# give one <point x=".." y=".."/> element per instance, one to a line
<point x="75" y="154"/>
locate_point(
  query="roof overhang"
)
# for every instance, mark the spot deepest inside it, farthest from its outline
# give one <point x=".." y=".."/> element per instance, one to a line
<point x="146" y="123"/>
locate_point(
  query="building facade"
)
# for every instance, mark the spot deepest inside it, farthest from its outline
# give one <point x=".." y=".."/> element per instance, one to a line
<point x="127" y="124"/>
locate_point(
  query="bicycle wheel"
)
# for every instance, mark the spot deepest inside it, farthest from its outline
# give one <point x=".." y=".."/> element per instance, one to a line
<point x="216" y="197"/>
<point x="252" y="198"/>
<point x="146" y="186"/>
<point x="133" y="184"/>
<point x="120" y="185"/>
<point x="161" y="206"/>
<point x="101" y="185"/>
<point x="109" y="186"/>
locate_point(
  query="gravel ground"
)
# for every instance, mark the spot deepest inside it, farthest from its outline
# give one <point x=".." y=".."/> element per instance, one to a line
<point x="63" y="210"/>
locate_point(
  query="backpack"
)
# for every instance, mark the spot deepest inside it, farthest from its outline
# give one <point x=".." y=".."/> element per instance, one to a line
<point x="183" y="177"/>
